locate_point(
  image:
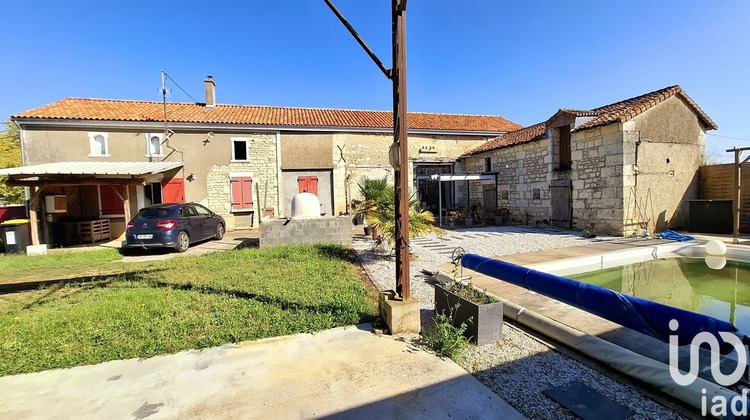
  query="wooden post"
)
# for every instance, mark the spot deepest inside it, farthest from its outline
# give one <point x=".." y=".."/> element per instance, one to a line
<point x="737" y="206"/>
<point x="126" y="203"/>
<point x="400" y="135"/>
<point x="398" y="76"/>
<point x="33" y="216"/>
<point x="737" y="199"/>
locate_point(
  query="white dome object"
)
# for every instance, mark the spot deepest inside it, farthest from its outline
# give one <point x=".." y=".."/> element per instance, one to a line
<point x="716" y="247"/>
<point x="305" y="205"/>
<point x="715" y="262"/>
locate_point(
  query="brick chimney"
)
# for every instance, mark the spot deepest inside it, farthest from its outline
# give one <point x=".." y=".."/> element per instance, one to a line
<point x="210" y="92"/>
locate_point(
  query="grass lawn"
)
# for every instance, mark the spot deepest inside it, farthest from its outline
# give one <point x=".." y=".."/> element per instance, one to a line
<point x="14" y="267"/>
<point x="182" y="303"/>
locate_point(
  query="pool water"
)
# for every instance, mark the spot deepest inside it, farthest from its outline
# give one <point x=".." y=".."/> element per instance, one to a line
<point x="686" y="283"/>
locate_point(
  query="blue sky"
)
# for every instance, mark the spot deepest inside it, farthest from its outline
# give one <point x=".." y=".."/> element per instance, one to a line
<point x="522" y="60"/>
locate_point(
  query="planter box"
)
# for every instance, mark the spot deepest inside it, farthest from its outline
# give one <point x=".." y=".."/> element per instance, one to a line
<point x="486" y="320"/>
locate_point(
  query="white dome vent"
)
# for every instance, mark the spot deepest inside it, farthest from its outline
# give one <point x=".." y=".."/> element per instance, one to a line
<point x="305" y="205"/>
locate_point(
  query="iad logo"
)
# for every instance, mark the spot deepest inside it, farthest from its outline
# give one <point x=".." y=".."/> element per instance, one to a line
<point x="719" y="403"/>
<point x="700" y="339"/>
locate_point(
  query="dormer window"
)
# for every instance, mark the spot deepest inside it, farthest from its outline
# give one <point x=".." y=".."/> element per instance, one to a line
<point x="153" y="145"/>
<point x="98" y="146"/>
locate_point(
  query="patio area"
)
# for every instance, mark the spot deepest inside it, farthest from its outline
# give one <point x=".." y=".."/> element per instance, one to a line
<point x="520" y="366"/>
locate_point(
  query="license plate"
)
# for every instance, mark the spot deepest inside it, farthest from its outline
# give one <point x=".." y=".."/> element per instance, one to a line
<point x="144" y="236"/>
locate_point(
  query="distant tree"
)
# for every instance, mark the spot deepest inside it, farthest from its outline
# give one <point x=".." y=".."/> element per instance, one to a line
<point x="714" y="156"/>
<point x="10" y="156"/>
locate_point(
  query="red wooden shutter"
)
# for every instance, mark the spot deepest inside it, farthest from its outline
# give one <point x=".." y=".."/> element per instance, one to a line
<point x="247" y="193"/>
<point x="173" y="190"/>
<point x="308" y="184"/>
<point x="236" y="193"/>
<point x="111" y="202"/>
<point x="312" y="184"/>
<point x="242" y="193"/>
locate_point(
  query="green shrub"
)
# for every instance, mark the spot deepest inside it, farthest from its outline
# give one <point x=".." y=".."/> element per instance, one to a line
<point x="447" y="340"/>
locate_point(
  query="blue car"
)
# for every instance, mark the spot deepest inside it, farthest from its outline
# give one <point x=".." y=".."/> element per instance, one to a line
<point x="173" y="226"/>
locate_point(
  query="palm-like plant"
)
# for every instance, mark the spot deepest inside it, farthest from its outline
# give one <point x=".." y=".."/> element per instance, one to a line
<point x="371" y="190"/>
<point x="382" y="217"/>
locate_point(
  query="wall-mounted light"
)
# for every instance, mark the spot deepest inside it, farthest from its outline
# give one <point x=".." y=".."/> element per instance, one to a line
<point x="209" y="136"/>
<point x="191" y="177"/>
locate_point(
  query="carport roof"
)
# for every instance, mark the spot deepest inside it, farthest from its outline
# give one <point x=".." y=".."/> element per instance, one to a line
<point x="92" y="168"/>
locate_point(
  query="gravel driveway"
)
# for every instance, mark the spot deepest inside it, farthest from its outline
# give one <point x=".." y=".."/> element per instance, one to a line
<point x="518" y="368"/>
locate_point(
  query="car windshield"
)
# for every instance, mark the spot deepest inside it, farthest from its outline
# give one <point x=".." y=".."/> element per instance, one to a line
<point x="152" y="214"/>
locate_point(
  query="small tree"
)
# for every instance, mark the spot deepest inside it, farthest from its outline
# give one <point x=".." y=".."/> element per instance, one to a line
<point x="10" y="156"/>
<point x="383" y="217"/>
<point x="371" y="190"/>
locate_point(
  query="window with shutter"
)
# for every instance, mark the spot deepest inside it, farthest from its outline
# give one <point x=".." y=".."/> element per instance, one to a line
<point x="308" y="184"/>
<point x="242" y="193"/>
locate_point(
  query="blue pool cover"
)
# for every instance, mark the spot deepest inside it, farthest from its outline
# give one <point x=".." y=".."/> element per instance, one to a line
<point x="642" y="315"/>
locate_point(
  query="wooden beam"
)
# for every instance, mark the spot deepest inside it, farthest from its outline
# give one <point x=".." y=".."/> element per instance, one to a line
<point x="126" y="203"/>
<point x="72" y="184"/>
<point x="33" y="216"/>
<point x="737" y="195"/>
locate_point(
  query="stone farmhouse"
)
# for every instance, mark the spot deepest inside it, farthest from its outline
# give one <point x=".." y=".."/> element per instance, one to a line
<point x="99" y="159"/>
<point x="616" y="169"/>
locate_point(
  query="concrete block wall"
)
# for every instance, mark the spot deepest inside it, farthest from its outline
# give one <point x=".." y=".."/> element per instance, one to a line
<point x="334" y="230"/>
<point x="261" y="163"/>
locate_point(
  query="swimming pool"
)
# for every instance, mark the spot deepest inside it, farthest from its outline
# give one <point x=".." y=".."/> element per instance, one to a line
<point x="676" y="275"/>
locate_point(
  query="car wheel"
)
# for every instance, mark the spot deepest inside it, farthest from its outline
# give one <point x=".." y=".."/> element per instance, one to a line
<point x="183" y="242"/>
<point x="219" y="232"/>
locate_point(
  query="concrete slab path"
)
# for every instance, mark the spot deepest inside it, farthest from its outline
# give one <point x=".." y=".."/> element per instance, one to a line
<point x="342" y="373"/>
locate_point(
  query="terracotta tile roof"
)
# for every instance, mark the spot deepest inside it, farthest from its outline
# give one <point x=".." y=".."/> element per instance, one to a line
<point x="148" y="111"/>
<point x="511" y="138"/>
<point x="630" y="108"/>
<point x="617" y="112"/>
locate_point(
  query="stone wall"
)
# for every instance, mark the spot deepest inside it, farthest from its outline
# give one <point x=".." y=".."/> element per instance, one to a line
<point x="334" y="230"/>
<point x="261" y="164"/>
<point x="366" y="156"/>
<point x="664" y="151"/>
<point x="625" y="177"/>
<point x="596" y="173"/>
<point x="523" y="179"/>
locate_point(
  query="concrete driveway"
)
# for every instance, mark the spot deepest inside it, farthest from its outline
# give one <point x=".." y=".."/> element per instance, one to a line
<point x="232" y="240"/>
<point x="341" y="373"/>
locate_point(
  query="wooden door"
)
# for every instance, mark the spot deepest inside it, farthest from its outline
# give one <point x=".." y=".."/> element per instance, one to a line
<point x="562" y="203"/>
<point x="489" y="197"/>
<point x="173" y="190"/>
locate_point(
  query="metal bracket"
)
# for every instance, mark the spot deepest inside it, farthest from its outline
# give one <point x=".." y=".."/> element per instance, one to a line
<point x="456" y="260"/>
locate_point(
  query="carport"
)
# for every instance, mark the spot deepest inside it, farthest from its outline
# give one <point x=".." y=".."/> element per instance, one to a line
<point x="92" y="200"/>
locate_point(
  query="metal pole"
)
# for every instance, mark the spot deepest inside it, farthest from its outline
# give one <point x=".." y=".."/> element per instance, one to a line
<point x="440" y="202"/>
<point x="398" y="9"/>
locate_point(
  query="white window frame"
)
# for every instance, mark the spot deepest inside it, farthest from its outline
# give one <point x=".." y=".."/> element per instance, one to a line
<point x="247" y="148"/>
<point x="92" y="142"/>
<point x="149" y="136"/>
